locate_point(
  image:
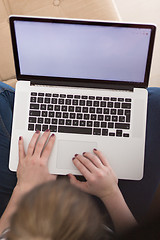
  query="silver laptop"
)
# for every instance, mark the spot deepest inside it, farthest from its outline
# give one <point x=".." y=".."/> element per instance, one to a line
<point x="85" y="81"/>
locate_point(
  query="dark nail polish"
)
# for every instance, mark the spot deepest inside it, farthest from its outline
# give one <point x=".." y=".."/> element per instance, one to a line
<point x="47" y="130"/>
<point x="53" y="135"/>
<point x="73" y="159"/>
<point x="37" y="131"/>
<point x="95" y="149"/>
<point x="20" y="138"/>
<point x="76" y="155"/>
<point x="84" y="153"/>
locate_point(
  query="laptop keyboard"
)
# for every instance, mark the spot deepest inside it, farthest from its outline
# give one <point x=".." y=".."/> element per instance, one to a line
<point x="80" y="114"/>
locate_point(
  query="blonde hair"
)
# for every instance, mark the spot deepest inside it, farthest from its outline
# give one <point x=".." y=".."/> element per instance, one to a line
<point x="56" y="211"/>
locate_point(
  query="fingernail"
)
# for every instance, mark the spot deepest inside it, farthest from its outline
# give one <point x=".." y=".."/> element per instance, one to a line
<point x="53" y="135"/>
<point x="73" y="159"/>
<point x="76" y="155"/>
<point x="84" y="153"/>
<point x="47" y="130"/>
<point x="37" y="131"/>
<point x="95" y="149"/>
<point x="20" y="138"/>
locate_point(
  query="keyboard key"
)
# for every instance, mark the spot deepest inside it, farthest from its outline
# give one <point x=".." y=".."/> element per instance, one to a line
<point x="96" y="124"/>
<point x="92" y="110"/>
<point x="104" y="132"/>
<point x="103" y="124"/>
<point x="40" y="120"/>
<point x="78" y="109"/>
<point x="57" y="108"/>
<point x="75" y="122"/>
<point x="96" y="104"/>
<point x="126" y="105"/>
<point x="93" y="116"/>
<point x="65" y="115"/>
<point x="72" y="115"/>
<point x="86" y="116"/>
<point x="114" y="118"/>
<point x="44" y="127"/>
<point x="34" y="106"/>
<point x="59" y="114"/>
<point x="117" y="105"/>
<point x="43" y="107"/>
<point x="85" y="109"/>
<point x="71" y="109"/>
<point x="121" y="119"/>
<point x="77" y="130"/>
<point x="38" y="127"/>
<point x="92" y="97"/>
<point x="110" y="104"/>
<point x="110" y="125"/>
<point x="33" y="99"/>
<point x="77" y="96"/>
<point x="99" y="110"/>
<point x="82" y="123"/>
<point x="113" y="99"/>
<point x="125" y="134"/>
<point x="61" y="121"/>
<point x="128" y="99"/>
<point x="106" y="98"/>
<point x="121" y="99"/>
<point x="34" y="113"/>
<point x="32" y="119"/>
<point x="44" y="113"/>
<point x="98" y="98"/>
<point x="64" y="108"/>
<point x="106" y="111"/>
<point x="96" y="131"/>
<point x="79" y="115"/>
<point x="107" y="118"/>
<point x="103" y="104"/>
<point x="100" y="117"/>
<point x="50" y="107"/>
<point x="112" y="134"/>
<point x="120" y="111"/>
<point x="53" y="128"/>
<point x="54" y="100"/>
<point x="122" y="125"/>
<point x="113" y="111"/>
<point x="75" y="102"/>
<point x="48" y="94"/>
<point x="69" y="96"/>
<point x="54" y="121"/>
<point x="33" y="94"/>
<point x="89" y="103"/>
<point x="61" y="101"/>
<point x="31" y="127"/>
<point x="119" y="133"/>
<point x="68" y="122"/>
<point x="55" y="95"/>
<point x="47" y="120"/>
<point x="84" y="97"/>
<point x="40" y="100"/>
<point x="89" y="123"/>
<point x="51" y="114"/>
<point x="62" y="95"/>
<point x="40" y="94"/>
<point x="82" y="102"/>
<point x="47" y="100"/>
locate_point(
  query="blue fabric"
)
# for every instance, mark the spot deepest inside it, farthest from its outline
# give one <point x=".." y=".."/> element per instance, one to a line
<point x="138" y="194"/>
<point x="7" y="178"/>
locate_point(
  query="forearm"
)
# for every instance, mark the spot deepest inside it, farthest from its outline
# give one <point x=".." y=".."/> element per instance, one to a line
<point x="10" y="209"/>
<point x="120" y="213"/>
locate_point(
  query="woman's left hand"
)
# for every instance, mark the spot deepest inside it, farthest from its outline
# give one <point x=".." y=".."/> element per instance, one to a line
<point x="33" y="165"/>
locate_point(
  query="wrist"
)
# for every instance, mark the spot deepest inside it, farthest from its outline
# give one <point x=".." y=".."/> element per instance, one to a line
<point x="112" y="194"/>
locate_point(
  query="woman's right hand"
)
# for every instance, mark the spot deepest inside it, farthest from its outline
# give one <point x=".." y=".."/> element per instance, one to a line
<point x="101" y="180"/>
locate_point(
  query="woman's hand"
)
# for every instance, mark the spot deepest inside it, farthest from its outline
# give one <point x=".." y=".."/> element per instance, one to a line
<point x="101" y="180"/>
<point x="33" y="165"/>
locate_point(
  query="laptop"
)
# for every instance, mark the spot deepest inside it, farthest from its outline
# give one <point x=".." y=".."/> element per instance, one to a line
<point x="86" y="81"/>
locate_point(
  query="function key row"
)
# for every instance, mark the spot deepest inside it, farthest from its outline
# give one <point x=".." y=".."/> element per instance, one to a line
<point x="80" y="97"/>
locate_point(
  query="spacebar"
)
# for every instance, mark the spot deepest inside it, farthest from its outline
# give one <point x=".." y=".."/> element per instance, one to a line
<point x="78" y="130"/>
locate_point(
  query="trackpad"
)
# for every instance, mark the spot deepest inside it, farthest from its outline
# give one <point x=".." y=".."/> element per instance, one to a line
<point x="67" y="150"/>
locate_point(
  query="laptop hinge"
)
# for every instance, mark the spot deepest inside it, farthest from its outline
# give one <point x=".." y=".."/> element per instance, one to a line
<point x="83" y="85"/>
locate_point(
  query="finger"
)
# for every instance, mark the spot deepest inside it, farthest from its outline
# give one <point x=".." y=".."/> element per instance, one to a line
<point x="94" y="159"/>
<point x="101" y="157"/>
<point x="86" y="162"/>
<point x="32" y="143"/>
<point x="48" y="148"/>
<point x="85" y="172"/>
<point x="76" y="183"/>
<point x="21" y="149"/>
<point x="41" y="142"/>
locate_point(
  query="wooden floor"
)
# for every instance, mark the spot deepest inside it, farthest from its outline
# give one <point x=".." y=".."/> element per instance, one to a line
<point x="146" y="11"/>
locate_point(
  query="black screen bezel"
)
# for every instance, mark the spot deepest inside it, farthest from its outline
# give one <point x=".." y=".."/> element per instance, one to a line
<point x="64" y="81"/>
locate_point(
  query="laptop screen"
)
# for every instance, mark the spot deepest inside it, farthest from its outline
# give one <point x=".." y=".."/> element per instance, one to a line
<point x="82" y="51"/>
